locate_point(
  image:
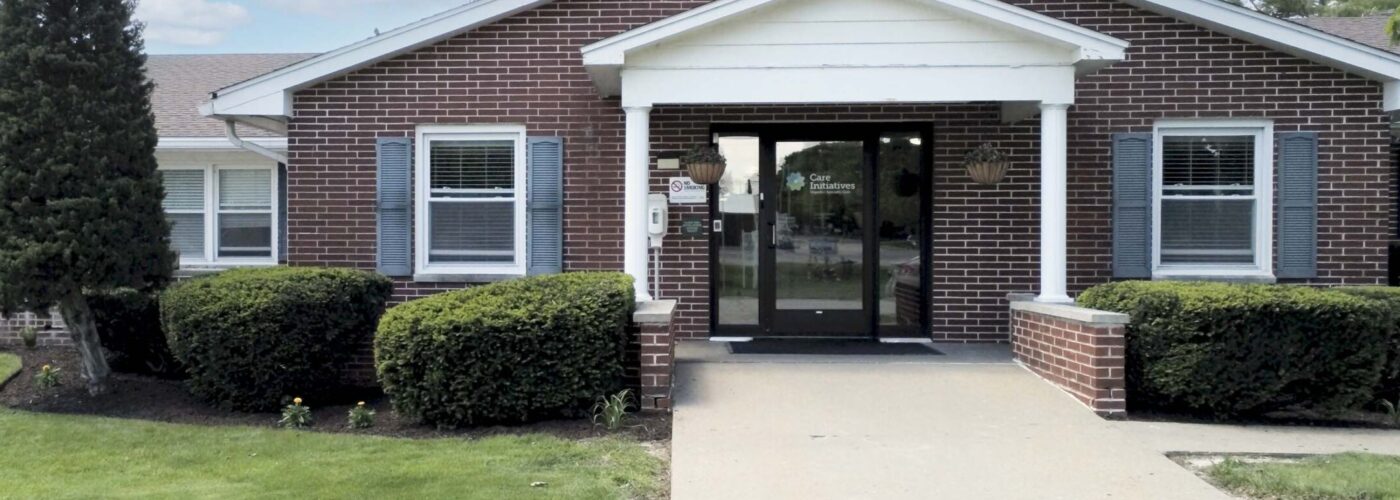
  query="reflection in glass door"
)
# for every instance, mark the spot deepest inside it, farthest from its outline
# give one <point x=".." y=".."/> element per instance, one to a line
<point x="822" y="231"/>
<point x="736" y="274"/>
<point x="817" y="236"/>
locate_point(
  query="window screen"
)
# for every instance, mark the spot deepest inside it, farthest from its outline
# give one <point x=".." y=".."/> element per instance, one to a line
<point x="1208" y="199"/>
<point x="184" y="207"/>
<point x="245" y="213"/>
<point x="471" y="202"/>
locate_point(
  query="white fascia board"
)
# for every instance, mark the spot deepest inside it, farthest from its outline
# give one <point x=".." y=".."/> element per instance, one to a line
<point x="271" y="94"/>
<point x="1288" y="37"/>
<point x="1093" y="46"/>
<point x="216" y="143"/>
<point x="613" y="51"/>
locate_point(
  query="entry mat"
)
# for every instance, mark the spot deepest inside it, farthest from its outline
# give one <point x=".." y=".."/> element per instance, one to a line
<point x="832" y="348"/>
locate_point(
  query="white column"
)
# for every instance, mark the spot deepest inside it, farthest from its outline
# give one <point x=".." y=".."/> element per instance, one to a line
<point x="635" y="187"/>
<point x="1053" y="178"/>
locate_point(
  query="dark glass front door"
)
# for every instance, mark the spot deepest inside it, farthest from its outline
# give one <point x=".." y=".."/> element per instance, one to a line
<point x="822" y="232"/>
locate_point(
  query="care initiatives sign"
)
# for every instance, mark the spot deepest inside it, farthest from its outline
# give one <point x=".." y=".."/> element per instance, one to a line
<point x="684" y="191"/>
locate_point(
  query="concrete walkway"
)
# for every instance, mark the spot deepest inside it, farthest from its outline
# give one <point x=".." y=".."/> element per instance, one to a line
<point x="972" y="425"/>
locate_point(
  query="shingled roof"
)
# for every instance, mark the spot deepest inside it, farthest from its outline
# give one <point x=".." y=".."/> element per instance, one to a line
<point x="183" y="82"/>
<point x="1369" y="30"/>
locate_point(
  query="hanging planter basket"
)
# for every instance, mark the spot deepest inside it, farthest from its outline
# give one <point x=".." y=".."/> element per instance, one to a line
<point x="704" y="164"/>
<point x="986" y="165"/>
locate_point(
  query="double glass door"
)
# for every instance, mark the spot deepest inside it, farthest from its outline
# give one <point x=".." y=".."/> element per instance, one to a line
<point x="822" y="231"/>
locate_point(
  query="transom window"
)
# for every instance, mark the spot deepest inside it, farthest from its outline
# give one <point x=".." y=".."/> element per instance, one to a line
<point x="471" y="206"/>
<point x="221" y="215"/>
<point x="1212" y="198"/>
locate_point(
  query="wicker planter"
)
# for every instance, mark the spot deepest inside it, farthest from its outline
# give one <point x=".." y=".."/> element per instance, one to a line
<point x="989" y="172"/>
<point x="705" y="172"/>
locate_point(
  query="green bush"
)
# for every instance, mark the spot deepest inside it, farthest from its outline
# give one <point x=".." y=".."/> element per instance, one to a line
<point x="508" y="351"/>
<point x="1389" y="387"/>
<point x="1228" y="350"/>
<point x="128" y="322"/>
<point x="252" y="338"/>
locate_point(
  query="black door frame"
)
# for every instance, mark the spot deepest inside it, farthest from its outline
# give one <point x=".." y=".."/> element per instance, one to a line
<point x="869" y="133"/>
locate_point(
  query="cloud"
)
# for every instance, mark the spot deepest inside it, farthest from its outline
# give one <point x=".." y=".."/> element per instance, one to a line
<point x="190" y="22"/>
<point x="332" y="8"/>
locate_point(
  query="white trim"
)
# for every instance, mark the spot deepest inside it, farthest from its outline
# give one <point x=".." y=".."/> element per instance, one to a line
<point x="424" y="135"/>
<point x="1263" y="132"/>
<point x="1288" y="37"/>
<point x="217" y="143"/>
<point x="270" y="95"/>
<point x="210" y="259"/>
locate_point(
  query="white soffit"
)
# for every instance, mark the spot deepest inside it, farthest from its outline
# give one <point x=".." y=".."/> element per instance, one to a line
<point x="270" y="96"/>
<point x="1288" y="37"/>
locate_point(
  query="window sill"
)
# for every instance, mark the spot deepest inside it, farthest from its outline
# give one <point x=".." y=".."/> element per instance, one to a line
<point x="1227" y="276"/>
<point x="193" y="270"/>
<point x="463" y="277"/>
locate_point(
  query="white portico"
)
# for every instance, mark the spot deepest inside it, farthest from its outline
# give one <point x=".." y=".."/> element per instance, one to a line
<point x="840" y="52"/>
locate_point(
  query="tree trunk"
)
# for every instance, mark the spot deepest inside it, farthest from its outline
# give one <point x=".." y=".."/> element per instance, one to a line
<point x="84" y="332"/>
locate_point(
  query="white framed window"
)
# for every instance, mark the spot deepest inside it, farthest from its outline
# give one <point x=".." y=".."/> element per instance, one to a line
<point x="222" y="215"/>
<point x="1213" y="200"/>
<point x="470" y="200"/>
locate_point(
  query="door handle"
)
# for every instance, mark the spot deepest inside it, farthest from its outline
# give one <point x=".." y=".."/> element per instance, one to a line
<point x="773" y="236"/>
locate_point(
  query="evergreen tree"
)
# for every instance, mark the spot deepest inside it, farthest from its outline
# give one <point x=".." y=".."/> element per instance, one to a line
<point x="80" y="198"/>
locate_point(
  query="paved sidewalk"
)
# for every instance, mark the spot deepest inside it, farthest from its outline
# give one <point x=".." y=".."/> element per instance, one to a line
<point x="966" y="426"/>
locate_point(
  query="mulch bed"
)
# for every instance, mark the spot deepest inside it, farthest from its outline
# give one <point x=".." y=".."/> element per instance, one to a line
<point x="148" y="398"/>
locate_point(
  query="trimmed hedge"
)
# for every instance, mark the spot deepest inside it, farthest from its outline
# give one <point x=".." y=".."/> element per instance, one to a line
<point x="1229" y="350"/>
<point x="128" y="323"/>
<point x="506" y="352"/>
<point x="1389" y="387"/>
<point x="252" y="338"/>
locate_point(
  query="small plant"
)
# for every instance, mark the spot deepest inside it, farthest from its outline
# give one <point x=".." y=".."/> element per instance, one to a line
<point x="47" y="378"/>
<point x="1393" y="410"/>
<point x="30" y="336"/>
<point x="611" y="411"/>
<point x="295" y="416"/>
<point x="361" y="416"/>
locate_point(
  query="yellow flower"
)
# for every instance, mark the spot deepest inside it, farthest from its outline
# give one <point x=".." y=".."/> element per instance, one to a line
<point x="361" y="404"/>
<point x="296" y="401"/>
<point x="48" y="367"/>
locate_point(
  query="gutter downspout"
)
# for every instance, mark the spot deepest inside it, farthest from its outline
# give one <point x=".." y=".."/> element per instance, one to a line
<point x="231" y="131"/>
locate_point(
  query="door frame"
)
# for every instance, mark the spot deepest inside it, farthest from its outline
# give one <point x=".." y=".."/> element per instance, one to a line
<point x="869" y="133"/>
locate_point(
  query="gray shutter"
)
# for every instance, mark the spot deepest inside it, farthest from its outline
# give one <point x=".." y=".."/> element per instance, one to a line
<point x="1297" y="202"/>
<point x="394" y="206"/>
<point x="545" y="222"/>
<point x="1132" y="205"/>
<point x="282" y="230"/>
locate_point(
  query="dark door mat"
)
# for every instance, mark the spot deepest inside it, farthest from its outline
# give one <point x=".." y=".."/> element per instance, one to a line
<point x="832" y="348"/>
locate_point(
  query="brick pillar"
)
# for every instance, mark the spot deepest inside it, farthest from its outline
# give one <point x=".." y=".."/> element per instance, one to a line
<point x="1083" y="351"/>
<point x="652" y="353"/>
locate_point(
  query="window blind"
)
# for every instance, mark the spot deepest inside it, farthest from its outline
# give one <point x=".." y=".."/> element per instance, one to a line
<point x="1207" y="162"/>
<point x="472" y="232"/>
<point x="472" y="165"/>
<point x="1208" y="205"/>
<point x="245" y="189"/>
<point x="184" y="189"/>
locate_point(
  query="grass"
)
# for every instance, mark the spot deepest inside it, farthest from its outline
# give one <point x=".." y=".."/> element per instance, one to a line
<point x="60" y="456"/>
<point x="9" y="366"/>
<point x="1344" y="476"/>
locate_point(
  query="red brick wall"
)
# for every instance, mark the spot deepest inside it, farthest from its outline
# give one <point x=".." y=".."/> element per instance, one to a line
<point x="1086" y="360"/>
<point x="526" y="69"/>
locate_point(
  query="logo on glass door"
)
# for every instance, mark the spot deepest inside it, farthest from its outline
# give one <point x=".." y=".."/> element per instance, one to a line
<point x="795" y="181"/>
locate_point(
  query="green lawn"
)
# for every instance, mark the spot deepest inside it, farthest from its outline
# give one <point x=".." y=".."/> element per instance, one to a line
<point x="9" y="365"/>
<point x="1345" y="476"/>
<point x="56" y="456"/>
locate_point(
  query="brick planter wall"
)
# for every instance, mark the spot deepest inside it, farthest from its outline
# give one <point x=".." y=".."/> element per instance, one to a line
<point x="50" y="328"/>
<point x="651" y="354"/>
<point x="1080" y="350"/>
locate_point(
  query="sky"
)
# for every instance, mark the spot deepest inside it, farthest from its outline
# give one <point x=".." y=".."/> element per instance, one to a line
<point x="258" y="26"/>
